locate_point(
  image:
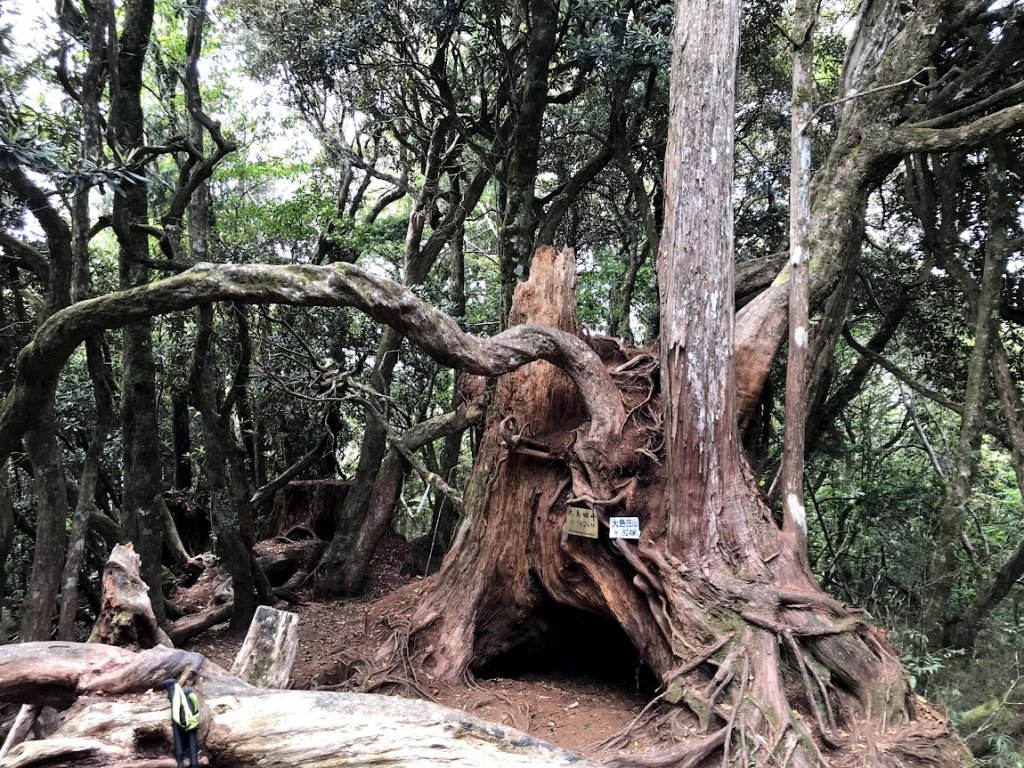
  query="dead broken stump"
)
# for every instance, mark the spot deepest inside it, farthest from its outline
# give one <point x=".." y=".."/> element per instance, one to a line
<point x="126" y="615"/>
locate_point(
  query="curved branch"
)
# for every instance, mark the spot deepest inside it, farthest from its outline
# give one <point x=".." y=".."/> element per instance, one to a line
<point x="336" y="285"/>
<point x="27" y="257"/>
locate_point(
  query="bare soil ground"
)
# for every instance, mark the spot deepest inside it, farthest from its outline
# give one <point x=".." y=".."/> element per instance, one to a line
<point x="574" y="711"/>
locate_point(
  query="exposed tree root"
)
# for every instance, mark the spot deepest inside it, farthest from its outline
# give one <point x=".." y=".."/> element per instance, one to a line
<point x="757" y="665"/>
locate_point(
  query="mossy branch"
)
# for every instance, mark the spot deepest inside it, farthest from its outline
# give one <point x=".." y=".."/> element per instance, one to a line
<point x="336" y="285"/>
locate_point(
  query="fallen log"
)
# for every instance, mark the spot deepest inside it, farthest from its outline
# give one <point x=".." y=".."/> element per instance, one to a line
<point x="118" y="719"/>
<point x="189" y="626"/>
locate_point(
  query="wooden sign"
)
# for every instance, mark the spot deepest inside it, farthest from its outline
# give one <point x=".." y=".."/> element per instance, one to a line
<point x="624" y="527"/>
<point x="580" y="521"/>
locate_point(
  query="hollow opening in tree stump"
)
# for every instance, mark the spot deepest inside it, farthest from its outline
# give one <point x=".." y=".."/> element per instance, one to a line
<point x="192" y="522"/>
<point x="570" y="643"/>
<point x="314" y="505"/>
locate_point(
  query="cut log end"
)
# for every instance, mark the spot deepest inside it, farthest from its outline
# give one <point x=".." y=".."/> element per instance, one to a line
<point x="268" y="652"/>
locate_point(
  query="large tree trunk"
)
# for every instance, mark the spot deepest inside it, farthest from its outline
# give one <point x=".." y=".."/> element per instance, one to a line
<point x="716" y="599"/>
<point x="717" y="607"/>
<point x="484" y="602"/>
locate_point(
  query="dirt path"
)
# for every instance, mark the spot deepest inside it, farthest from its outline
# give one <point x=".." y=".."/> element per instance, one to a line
<point x="575" y="712"/>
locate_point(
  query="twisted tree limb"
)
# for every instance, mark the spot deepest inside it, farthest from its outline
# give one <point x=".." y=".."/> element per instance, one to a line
<point x="337" y="285"/>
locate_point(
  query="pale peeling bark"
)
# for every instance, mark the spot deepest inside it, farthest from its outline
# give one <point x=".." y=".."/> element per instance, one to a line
<point x="695" y="272"/>
<point x="337" y="285"/>
<point x="794" y="526"/>
<point x="115" y="716"/>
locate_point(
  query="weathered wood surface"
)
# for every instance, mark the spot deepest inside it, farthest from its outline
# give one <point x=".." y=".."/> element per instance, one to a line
<point x="118" y="719"/>
<point x="268" y="651"/>
<point x="55" y="673"/>
<point x="126" y="614"/>
<point x="20" y="728"/>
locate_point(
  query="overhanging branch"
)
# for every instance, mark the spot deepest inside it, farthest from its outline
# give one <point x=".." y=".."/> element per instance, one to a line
<point x="922" y="389"/>
<point x="336" y="285"/>
<point x="915" y="138"/>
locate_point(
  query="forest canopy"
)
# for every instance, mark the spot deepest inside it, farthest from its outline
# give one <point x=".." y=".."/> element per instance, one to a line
<point x="750" y="273"/>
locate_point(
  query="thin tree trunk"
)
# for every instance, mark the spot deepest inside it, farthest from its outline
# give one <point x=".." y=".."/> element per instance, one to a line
<point x="7" y="528"/>
<point x="444" y="519"/>
<point x="964" y="631"/>
<point x="519" y="220"/>
<point x="44" y="452"/>
<point x="141" y="520"/>
<point x="372" y="450"/>
<point x="619" y="322"/>
<point x="227" y="526"/>
<point x="794" y="520"/>
<point x="104" y="398"/>
<point x="419" y="260"/>
<point x="181" y="434"/>
<point x="388" y="486"/>
<point x="943" y="570"/>
<point x="102" y="387"/>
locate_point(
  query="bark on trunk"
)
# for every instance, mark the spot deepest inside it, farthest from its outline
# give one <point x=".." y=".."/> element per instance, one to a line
<point x="419" y="259"/>
<point x="141" y="520"/>
<point x="794" y="525"/>
<point x="6" y="528"/>
<point x="888" y="50"/>
<point x="943" y="570"/>
<point x="372" y="450"/>
<point x="361" y="546"/>
<point x="519" y="218"/>
<point x="719" y="642"/>
<point x="44" y="452"/>
<point x="86" y="490"/>
<point x="489" y="599"/>
<point x="228" y="493"/>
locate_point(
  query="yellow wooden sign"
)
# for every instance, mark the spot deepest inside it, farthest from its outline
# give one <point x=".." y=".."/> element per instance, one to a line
<point x="580" y="521"/>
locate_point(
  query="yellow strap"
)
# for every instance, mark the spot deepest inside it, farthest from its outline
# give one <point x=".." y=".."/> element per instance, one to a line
<point x="187" y="706"/>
